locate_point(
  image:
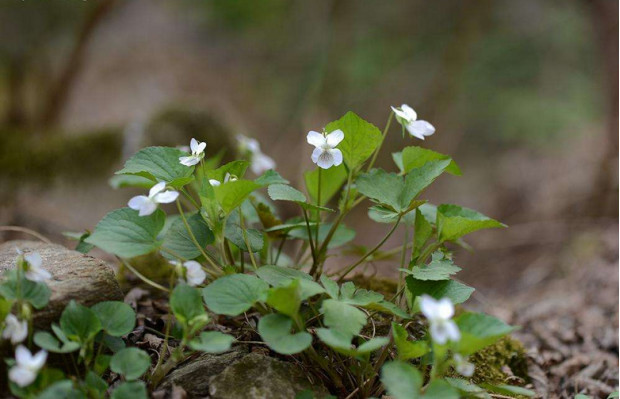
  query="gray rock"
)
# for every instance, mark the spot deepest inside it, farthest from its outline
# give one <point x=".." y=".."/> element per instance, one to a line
<point x="194" y="375"/>
<point x="256" y="376"/>
<point x="74" y="276"/>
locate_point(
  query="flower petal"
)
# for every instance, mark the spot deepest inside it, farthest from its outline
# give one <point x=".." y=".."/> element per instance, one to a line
<point x="334" y="138"/>
<point x="439" y="332"/>
<point x="193" y="145"/>
<point x="200" y="149"/>
<point x="147" y="208"/>
<point x="34" y="259"/>
<point x="261" y="163"/>
<point x="189" y="161"/>
<point x="22" y="376"/>
<point x="428" y="306"/>
<point x="316" y="154"/>
<point x="159" y="187"/>
<point x="138" y="202"/>
<point x="166" y="197"/>
<point x="337" y="155"/>
<point x="409" y="112"/>
<point x="23" y="357"/>
<point x="445" y="308"/>
<point x="325" y="160"/>
<point x="214" y="182"/>
<point x="420" y="129"/>
<point x="315" y="138"/>
<point x="38" y="360"/>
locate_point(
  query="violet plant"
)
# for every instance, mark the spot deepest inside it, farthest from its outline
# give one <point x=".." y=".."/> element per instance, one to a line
<point x="225" y="246"/>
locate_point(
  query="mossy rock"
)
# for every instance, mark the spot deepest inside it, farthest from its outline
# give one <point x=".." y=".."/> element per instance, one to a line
<point x="177" y="125"/>
<point x="31" y="156"/>
<point x="491" y="360"/>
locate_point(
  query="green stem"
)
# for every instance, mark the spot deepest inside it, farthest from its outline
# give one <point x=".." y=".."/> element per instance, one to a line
<point x="194" y="240"/>
<point x="403" y="258"/>
<point x="189" y="197"/>
<point x="318" y="211"/>
<point x="314" y="263"/>
<point x="385" y="130"/>
<point x="245" y="239"/>
<point x="142" y="277"/>
<point x="363" y="258"/>
<point x="280" y="246"/>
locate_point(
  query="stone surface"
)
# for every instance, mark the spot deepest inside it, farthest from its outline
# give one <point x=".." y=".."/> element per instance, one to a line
<point x="194" y="375"/>
<point x="257" y="376"/>
<point x="74" y="276"/>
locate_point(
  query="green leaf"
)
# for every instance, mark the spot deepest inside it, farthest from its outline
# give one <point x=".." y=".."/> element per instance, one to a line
<point x="361" y="138"/>
<point x="131" y="363"/>
<point x="479" y="330"/>
<point x="122" y="232"/>
<point x="286" y="299"/>
<point x="335" y="339"/>
<point x="95" y="382"/>
<point x="275" y="330"/>
<point x="48" y="342"/>
<point x="467" y="388"/>
<point x="401" y="380"/>
<point x="212" y="342"/>
<point x="331" y="286"/>
<point x="157" y="164"/>
<point x="36" y="293"/>
<point x="395" y="192"/>
<point x="423" y="230"/>
<point x="270" y="177"/>
<point x="342" y="317"/>
<point x="235" y="168"/>
<point x="372" y="345"/>
<point x="234" y="233"/>
<point x="331" y="181"/>
<point x="439" y="268"/>
<point x="397" y="157"/>
<point x="117" y="318"/>
<point x="440" y="390"/>
<point x="388" y="307"/>
<point x="178" y="240"/>
<point x="122" y="181"/>
<point x="186" y="303"/>
<point x="280" y="276"/>
<point x="359" y="296"/>
<point x="283" y="192"/>
<point x="231" y="194"/>
<point x="454" y="222"/>
<point x="234" y="294"/>
<point x="457" y="292"/>
<point x="61" y="389"/>
<point x="79" y="323"/>
<point x="130" y="390"/>
<point x="415" y="157"/>
<point x="504" y="389"/>
<point x="407" y="349"/>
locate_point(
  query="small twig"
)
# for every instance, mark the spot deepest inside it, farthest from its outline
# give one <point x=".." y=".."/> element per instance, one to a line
<point x="27" y="231"/>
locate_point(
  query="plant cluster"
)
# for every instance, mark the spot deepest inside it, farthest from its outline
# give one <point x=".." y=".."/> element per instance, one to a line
<point x="228" y="267"/>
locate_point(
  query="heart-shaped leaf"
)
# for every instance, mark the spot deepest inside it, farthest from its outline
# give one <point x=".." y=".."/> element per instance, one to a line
<point x="159" y="164"/>
<point x="234" y="294"/>
<point x="275" y="330"/>
<point x="117" y="318"/>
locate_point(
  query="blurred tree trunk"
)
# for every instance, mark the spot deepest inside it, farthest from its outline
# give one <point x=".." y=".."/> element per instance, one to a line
<point x="604" y="196"/>
<point x="59" y="93"/>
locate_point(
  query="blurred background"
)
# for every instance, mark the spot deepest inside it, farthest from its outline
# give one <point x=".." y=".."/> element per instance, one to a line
<point x="523" y="95"/>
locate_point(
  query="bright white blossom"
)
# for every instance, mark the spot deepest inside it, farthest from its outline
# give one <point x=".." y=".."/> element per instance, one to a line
<point x="259" y="161"/>
<point x="194" y="275"/>
<point x="228" y="177"/>
<point x="33" y="270"/>
<point x="326" y="155"/>
<point x="462" y="366"/>
<point x="439" y="314"/>
<point x="147" y="205"/>
<point x="14" y="329"/>
<point x="407" y="117"/>
<point x="198" y="149"/>
<point x="27" y="366"/>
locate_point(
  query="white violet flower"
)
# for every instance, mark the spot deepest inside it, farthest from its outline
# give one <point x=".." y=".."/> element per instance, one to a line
<point x="33" y="270"/>
<point x="326" y="155"/>
<point x="407" y="117"/>
<point x="27" y="366"/>
<point x="462" y="366"/>
<point x="194" y="275"/>
<point x="227" y="178"/>
<point x="198" y="149"/>
<point x="14" y="329"/>
<point x="439" y="314"/>
<point x="147" y="205"/>
<point x="259" y="161"/>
